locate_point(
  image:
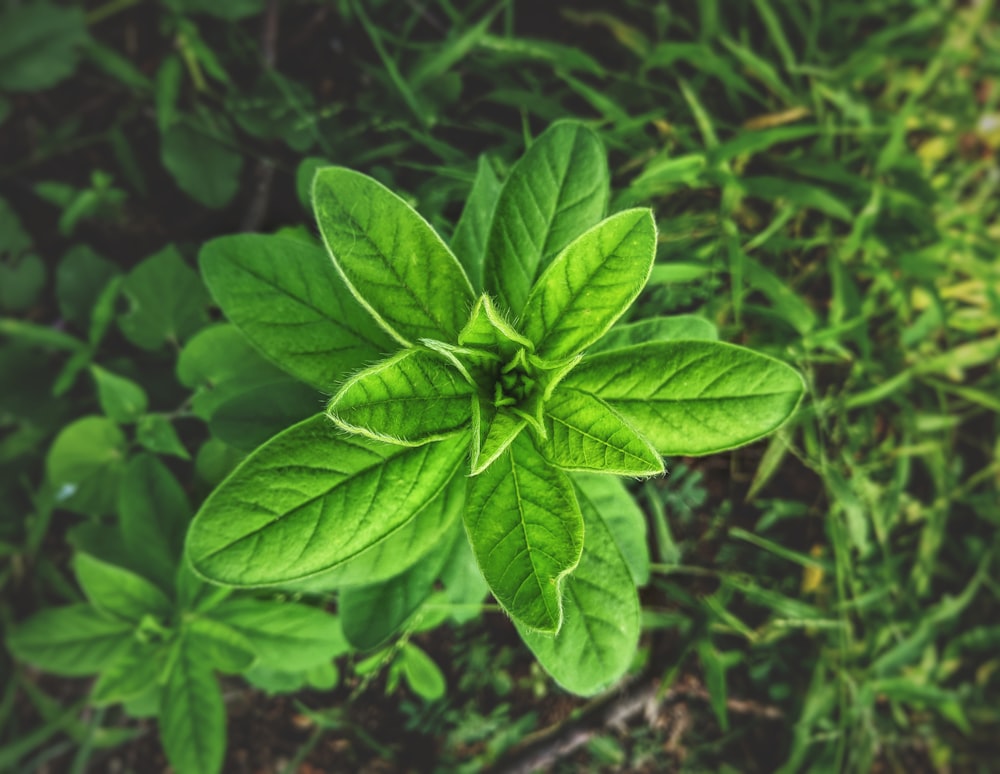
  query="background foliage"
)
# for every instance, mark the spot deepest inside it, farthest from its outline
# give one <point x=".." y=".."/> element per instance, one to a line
<point x="824" y="177"/>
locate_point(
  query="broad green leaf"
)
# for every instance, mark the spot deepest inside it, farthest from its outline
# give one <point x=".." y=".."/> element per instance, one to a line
<point x="131" y="673"/>
<point x="220" y="646"/>
<point x="21" y="282"/>
<point x="492" y="432"/>
<point x="390" y="257"/>
<point x="473" y="228"/>
<point x="121" y="399"/>
<point x="74" y="640"/>
<point x="167" y="301"/>
<point x="201" y="157"/>
<point x="398" y="551"/>
<point x="248" y="418"/>
<point x="285" y="635"/>
<point x="590" y="284"/>
<point x="464" y="586"/>
<point x="584" y="433"/>
<point x="153" y="513"/>
<point x="692" y="397"/>
<point x="526" y="531"/>
<point x="39" y="45"/>
<point x="119" y="592"/>
<point x="558" y="190"/>
<point x="411" y="398"/>
<point x="81" y="277"/>
<point x="156" y="433"/>
<point x="600" y="630"/>
<point x="608" y="497"/>
<point x="371" y="614"/>
<point x="423" y="675"/>
<point x="216" y="460"/>
<point x="311" y="498"/>
<point x="84" y="465"/>
<point x="681" y="327"/>
<point x="192" y="716"/>
<point x="288" y="300"/>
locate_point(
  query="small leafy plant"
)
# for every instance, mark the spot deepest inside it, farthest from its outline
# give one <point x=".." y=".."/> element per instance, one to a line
<point x="488" y="383"/>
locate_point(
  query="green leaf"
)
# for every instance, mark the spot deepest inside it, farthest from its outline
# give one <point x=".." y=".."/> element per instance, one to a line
<point x="21" y="282"/>
<point x="311" y="498"/>
<point x="131" y="674"/>
<point x="247" y="419"/>
<point x="156" y="433"/>
<point x="600" y="630"/>
<point x="555" y="192"/>
<point x="608" y="497"/>
<point x="81" y="277"/>
<point x="84" y="465"/>
<point x="411" y="398"/>
<point x="473" y="228"/>
<point x="492" y="432"/>
<point x="153" y="515"/>
<point x="398" y="551"/>
<point x="590" y="284"/>
<point x="285" y="635"/>
<point x="288" y="300"/>
<point x="487" y="328"/>
<point x="393" y="261"/>
<point x="527" y="533"/>
<point x="692" y="397"/>
<point x="121" y="399"/>
<point x="39" y="45"/>
<point x="74" y="640"/>
<point x="423" y="675"/>
<point x="202" y="160"/>
<point x="192" y="716"/>
<point x="119" y="592"/>
<point x="220" y="646"/>
<point x="371" y="614"/>
<point x="584" y="433"/>
<point x="169" y="78"/>
<point x="167" y="301"/>
<point x="681" y="327"/>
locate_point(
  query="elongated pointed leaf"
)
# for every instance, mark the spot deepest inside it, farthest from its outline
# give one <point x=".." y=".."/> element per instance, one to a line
<point x="411" y="398"/>
<point x="398" y="551"/>
<point x="487" y="328"/>
<point x="526" y="531"/>
<point x="72" y="640"/>
<point x="590" y="284"/>
<point x="221" y="647"/>
<point x="290" y="302"/>
<point x="372" y="614"/>
<point x="118" y="591"/>
<point x="585" y="433"/>
<point x="473" y="228"/>
<point x="607" y="496"/>
<point x="555" y="192"/>
<point x="692" y="397"/>
<point x="681" y="327"/>
<point x="131" y="674"/>
<point x="192" y="715"/>
<point x="311" y="498"/>
<point x="492" y="432"/>
<point x="390" y="257"/>
<point x="600" y="630"/>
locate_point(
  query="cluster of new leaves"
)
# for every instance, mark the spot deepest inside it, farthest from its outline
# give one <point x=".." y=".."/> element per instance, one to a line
<point x="504" y="390"/>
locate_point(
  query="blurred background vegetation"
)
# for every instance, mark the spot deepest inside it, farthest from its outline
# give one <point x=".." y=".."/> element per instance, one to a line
<point x="824" y="177"/>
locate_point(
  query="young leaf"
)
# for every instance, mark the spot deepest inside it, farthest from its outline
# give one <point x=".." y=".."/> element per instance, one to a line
<point x="219" y="646"/>
<point x="131" y="673"/>
<point x="555" y="192"/>
<point x="692" y="397"/>
<point x="492" y="432"/>
<point x="73" y="640"/>
<point x="371" y="614"/>
<point x="84" y="465"/>
<point x="390" y="257"/>
<point x="311" y="498"/>
<point x="600" y="630"/>
<point x="411" y="398"/>
<point x="488" y="329"/>
<point x="288" y="300"/>
<point x="121" y="399"/>
<point x="156" y="433"/>
<point x="120" y="592"/>
<point x="39" y="45"/>
<point x="249" y="417"/>
<point x="199" y="154"/>
<point x="397" y="552"/>
<point x="80" y="278"/>
<point x="192" y="716"/>
<point x="423" y="675"/>
<point x="585" y="433"/>
<point x="527" y="533"/>
<point x="681" y="327"/>
<point x="590" y="284"/>
<point x="473" y="228"/>
<point x="608" y="497"/>
<point x="284" y="635"/>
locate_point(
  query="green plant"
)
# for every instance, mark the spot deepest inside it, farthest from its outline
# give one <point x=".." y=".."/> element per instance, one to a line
<point x="500" y="406"/>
